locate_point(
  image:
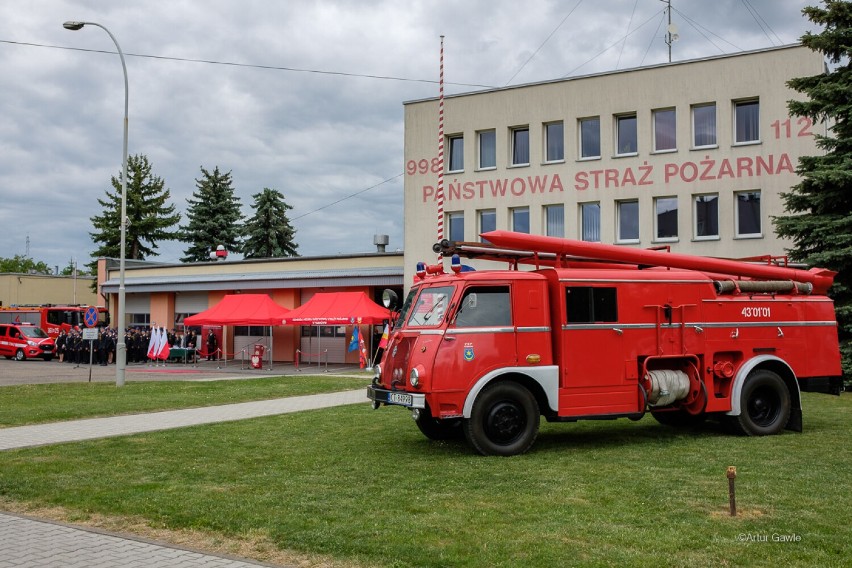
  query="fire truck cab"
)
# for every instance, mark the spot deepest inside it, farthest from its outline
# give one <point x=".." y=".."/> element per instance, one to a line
<point x="485" y="354"/>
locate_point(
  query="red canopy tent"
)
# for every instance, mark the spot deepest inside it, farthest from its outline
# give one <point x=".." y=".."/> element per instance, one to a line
<point x="338" y="308"/>
<point x="242" y="309"/>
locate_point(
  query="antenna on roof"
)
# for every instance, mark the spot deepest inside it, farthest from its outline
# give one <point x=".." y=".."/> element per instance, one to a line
<point x="671" y="30"/>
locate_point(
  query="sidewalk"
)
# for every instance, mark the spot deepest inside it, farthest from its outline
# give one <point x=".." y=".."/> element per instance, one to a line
<point x="89" y="429"/>
<point x="31" y="543"/>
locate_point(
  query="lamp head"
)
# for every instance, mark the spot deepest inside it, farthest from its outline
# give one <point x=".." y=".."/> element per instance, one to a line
<point x="74" y="26"/>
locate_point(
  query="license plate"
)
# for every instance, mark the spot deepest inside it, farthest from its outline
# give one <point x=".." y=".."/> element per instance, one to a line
<point x="400" y="398"/>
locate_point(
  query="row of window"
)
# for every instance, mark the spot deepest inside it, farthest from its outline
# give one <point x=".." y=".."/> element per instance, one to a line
<point x="746" y="116"/>
<point x="705" y="217"/>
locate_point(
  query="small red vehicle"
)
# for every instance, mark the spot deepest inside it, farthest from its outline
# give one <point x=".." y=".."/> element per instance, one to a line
<point x="25" y="341"/>
<point x="600" y="331"/>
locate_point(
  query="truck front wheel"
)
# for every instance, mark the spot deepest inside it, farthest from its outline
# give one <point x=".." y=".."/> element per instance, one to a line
<point x="764" y="405"/>
<point x="434" y="429"/>
<point x="504" y="420"/>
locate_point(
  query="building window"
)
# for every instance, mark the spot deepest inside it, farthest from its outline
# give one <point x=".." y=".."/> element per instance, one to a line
<point x="747" y="122"/>
<point x="456" y="153"/>
<point x="139" y="320"/>
<point x="455" y="226"/>
<point x="625" y="134"/>
<point x="666" y="218"/>
<point x="554" y="220"/>
<point x="590" y="137"/>
<point x="521" y="219"/>
<point x="487" y="149"/>
<point x="554" y="142"/>
<point x="748" y="214"/>
<point x="487" y="220"/>
<point x="706" y="216"/>
<point x="704" y="125"/>
<point x="665" y="129"/>
<point x="628" y="221"/>
<point x="590" y="221"/>
<point x="521" y="146"/>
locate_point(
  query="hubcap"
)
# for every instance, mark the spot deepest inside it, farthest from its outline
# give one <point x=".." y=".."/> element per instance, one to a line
<point x="505" y="422"/>
<point x="763" y="407"/>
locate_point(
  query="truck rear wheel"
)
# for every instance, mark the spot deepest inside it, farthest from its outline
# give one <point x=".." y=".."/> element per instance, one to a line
<point x="764" y="405"/>
<point x="504" y="420"/>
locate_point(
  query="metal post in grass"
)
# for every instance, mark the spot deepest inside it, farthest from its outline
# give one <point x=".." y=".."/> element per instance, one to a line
<point x="732" y="496"/>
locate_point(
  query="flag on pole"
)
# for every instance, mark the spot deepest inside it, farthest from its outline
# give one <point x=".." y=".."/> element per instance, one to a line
<point x="163" y="353"/>
<point x="383" y="342"/>
<point x="353" y="343"/>
<point x="152" y="344"/>
<point x="362" y="355"/>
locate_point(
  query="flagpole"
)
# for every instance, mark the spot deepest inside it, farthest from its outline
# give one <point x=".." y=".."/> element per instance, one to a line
<point x="440" y="192"/>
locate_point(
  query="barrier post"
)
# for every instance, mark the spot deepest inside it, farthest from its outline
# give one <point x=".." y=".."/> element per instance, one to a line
<point x="298" y="352"/>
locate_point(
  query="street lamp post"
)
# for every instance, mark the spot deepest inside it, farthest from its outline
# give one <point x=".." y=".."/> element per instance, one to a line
<point x="121" y="347"/>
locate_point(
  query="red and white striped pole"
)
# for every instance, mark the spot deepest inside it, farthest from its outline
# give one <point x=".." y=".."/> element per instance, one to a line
<point x="440" y="192"/>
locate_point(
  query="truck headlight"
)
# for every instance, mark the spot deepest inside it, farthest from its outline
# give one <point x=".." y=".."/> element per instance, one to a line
<point x="377" y="372"/>
<point x="414" y="378"/>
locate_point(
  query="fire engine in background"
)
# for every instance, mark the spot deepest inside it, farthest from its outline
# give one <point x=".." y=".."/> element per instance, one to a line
<point x="52" y="318"/>
<point x="599" y="331"/>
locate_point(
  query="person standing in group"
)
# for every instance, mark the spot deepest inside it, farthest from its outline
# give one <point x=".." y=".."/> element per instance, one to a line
<point x="212" y="346"/>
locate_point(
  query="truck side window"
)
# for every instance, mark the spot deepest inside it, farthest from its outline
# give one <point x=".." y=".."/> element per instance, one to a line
<point x="485" y="306"/>
<point x="586" y="304"/>
<point x="54" y="317"/>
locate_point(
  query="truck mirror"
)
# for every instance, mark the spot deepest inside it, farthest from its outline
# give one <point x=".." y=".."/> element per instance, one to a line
<point x="389" y="299"/>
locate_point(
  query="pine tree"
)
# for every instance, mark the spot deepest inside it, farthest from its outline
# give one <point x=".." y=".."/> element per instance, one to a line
<point x="150" y="219"/>
<point x="214" y="217"/>
<point x="269" y="233"/>
<point x="821" y="204"/>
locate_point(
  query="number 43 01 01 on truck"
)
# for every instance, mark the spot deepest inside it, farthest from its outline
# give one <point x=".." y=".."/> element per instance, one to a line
<point x="595" y="331"/>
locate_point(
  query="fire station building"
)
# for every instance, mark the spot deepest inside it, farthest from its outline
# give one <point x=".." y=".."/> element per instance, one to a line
<point x="693" y="155"/>
<point x="163" y="295"/>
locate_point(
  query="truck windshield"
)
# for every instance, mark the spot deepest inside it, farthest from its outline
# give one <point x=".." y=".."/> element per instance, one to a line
<point x="431" y="306"/>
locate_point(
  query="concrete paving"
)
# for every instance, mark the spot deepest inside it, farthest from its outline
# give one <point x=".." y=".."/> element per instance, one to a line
<point x="33" y="543"/>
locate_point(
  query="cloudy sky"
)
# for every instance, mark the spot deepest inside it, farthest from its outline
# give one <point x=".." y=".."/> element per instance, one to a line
<point x="301" y="96"/>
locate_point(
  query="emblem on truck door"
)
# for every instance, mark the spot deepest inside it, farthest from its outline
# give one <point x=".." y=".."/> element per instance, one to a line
<point x="468" y="352"/>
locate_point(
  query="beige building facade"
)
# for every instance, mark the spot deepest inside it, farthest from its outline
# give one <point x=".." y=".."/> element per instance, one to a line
<point x="692" y="155"/>
<point x="40" y="289"/>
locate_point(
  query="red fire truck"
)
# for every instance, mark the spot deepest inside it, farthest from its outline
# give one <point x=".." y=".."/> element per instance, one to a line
<point x="52" y="318"/>
<point x="598" y="331"/>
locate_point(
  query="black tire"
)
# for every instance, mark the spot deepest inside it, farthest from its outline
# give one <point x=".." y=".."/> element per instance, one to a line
<point x="764" y="405"/>
<point x="19" y="355"/>
<point x="435" y="429"/>
<point x="679" y="419"/>
<point x="504" y="420"/>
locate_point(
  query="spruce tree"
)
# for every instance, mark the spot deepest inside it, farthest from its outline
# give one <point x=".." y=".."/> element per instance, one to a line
<point x="214" y="217"/>
<point x="821" y="203"/>
<point x="150" y="219"/>
<point x="269" y="233"/>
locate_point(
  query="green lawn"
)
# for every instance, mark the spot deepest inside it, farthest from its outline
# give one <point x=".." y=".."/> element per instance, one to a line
<point x="364" y="487"/>
<point x="34" y="404"/>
